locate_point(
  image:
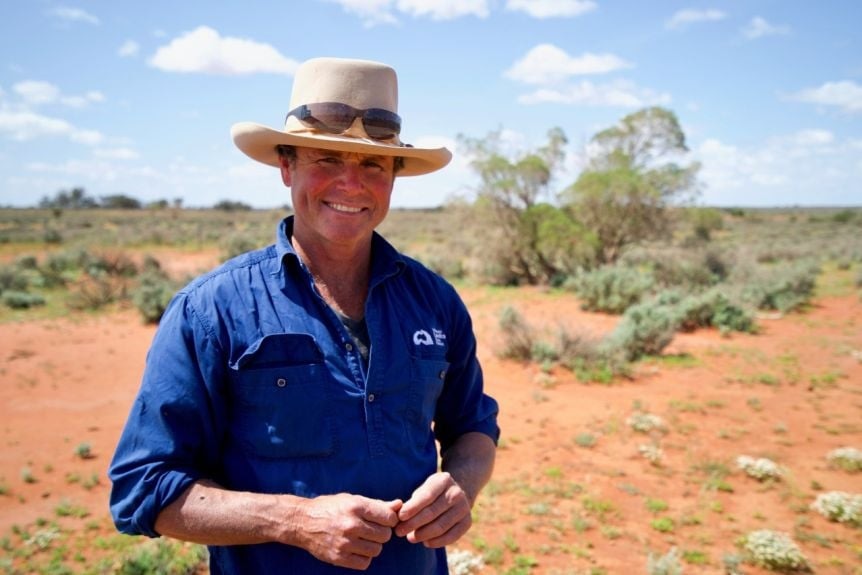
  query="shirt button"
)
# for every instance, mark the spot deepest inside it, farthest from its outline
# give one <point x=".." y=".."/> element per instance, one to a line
<point x="370" y="398"/>
<point x="442" y="374"/>
<point x="281" y="382"/>
<point x="348" y="346"/>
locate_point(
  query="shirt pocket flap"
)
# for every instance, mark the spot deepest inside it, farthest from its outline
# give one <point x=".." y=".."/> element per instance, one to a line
<point x="279" y="349"/>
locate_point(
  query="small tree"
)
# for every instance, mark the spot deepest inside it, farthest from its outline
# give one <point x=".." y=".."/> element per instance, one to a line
<point x="624" y="194"/>
<point x="529" y="240"/>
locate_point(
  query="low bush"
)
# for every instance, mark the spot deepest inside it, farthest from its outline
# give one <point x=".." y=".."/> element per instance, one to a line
<point x="153" y="292"/>
<point x="667" y="564"/>
<point x="645" y="329"/>
<point x="840" y="507"/>
<point x="22" y="300"/>
<point x="774" y="550"/>
<point x="847" y="458"/>
<point x="782" y="288"/>
<point x="759" y="468"/>
<point x="611" y="289"/>
<point x="518" y="336"/>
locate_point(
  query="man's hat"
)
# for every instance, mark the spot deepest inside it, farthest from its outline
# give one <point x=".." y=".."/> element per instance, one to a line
<point x="346" y="90"/>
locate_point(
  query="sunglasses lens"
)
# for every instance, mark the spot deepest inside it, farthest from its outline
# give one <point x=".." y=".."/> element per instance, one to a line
<point x="330" y="117"/>
<point x="381" y="124"/>
<point x="335" y="118"/>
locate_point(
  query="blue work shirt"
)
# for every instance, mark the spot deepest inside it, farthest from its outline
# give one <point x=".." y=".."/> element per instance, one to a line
<point x="252" y="381"/>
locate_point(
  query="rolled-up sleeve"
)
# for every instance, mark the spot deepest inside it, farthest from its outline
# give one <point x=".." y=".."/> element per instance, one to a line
<point x="174" y="424"/>
<point x="463" y="406"/>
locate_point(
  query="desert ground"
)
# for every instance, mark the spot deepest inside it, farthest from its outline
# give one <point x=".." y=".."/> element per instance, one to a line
<point x="572" y="491"/>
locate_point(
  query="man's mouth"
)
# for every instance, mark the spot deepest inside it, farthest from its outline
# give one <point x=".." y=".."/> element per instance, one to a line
<point x="344" y="208"/>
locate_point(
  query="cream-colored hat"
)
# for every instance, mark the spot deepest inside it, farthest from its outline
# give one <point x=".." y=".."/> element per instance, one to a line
<point x="358" y="83"/>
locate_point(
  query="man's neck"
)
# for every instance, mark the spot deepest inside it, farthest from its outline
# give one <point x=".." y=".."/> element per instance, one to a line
<point x="341" y="274"/>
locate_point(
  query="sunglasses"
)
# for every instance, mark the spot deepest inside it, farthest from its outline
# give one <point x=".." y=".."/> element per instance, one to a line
<point x="336" y="118"/>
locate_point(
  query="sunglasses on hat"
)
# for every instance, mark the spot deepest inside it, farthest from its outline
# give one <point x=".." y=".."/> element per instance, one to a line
<point x="336" y="118"/>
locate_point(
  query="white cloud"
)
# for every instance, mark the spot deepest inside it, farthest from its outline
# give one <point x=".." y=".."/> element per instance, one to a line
<point x="846" y="95"/>
<point x="116" y="153"/>
<point x="374" y="12"/>
<point x="759" y="28"/>
<point x="38" y="93"/>
<point x="128" y="49"/>
<point x="25" y="125"/>
<point x="443" y="9"/>
<point x="547" y="64"/>
<point x="552" y="8"/>
<point x="35" y="92"/>
<point x="73" y="15"/>
<point x="800" y="168"/>
<point x="683" y="18"/>
<point x="617" y="94"/>
<point x="203" y="50"/>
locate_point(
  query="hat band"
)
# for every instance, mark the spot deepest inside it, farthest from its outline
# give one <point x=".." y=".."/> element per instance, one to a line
<point x="336" y="118"/>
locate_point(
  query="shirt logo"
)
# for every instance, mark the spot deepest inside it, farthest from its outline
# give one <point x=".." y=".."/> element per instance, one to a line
<point x="422" y="337"/>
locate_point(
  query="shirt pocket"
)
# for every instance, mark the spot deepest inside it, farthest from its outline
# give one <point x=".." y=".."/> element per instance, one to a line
<point x="282" y="405"/>
<point x="427" y="377"/>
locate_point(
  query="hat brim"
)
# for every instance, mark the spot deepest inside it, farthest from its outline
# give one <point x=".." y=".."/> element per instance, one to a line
<point x="258" y="142"/>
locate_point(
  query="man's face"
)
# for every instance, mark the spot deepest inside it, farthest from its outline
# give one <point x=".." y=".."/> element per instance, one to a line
<point x="338" y="197"/>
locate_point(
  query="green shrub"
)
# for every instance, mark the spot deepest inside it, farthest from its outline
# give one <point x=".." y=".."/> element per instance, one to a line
<point x="236" y="244"/>
<point x="611" y="289"/>
<point x="13" y="279"/>
<point x="645" y="329"/>
<point x="783" y="288"/>
<point x="153" y="293"/>
<point x="711" y="308"/>
<point x="164" y="557"/>
<point x="22" y="300"/>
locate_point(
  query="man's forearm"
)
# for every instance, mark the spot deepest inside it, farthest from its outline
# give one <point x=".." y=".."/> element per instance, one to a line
<point x="470" y="461"/>
<point x="207" y="513"/>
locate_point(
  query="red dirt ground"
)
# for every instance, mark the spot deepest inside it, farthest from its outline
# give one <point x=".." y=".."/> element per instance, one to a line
<point x="791" y="393"/>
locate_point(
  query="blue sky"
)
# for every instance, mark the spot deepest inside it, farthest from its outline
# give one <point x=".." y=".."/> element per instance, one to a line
<point x="137" y="98"/>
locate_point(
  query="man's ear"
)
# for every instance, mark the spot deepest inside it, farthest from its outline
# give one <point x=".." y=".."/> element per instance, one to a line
<point x="285" y="170"/>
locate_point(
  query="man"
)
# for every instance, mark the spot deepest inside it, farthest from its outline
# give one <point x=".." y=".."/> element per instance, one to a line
<point x="291" y="400"/>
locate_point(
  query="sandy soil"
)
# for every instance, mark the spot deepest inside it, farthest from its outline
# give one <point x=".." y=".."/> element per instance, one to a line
<point x="791" y="393"/>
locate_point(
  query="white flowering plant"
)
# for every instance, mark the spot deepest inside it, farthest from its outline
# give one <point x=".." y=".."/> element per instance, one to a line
<point x="759" y="468"/>
<point x="840" y="506"/>
<point x="774" y="550"/>
<point x="652" y="452"/>
<point x="645" y="422"/>
<point x="847" y="458"/>
<point x="462" y="562"/>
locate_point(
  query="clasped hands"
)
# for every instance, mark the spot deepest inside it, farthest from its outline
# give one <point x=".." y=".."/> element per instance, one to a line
<point x="350" y="530"/>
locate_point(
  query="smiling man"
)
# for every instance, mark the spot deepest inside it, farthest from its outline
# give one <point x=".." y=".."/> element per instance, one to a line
<point x="294" y="399"/>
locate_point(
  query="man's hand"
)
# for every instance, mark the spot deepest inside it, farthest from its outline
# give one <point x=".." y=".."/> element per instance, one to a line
<point x="346" y="530"/>
<point x="437" y="514"/>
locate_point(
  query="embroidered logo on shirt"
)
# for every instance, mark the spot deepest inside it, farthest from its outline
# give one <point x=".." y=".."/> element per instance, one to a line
<point x="422" y="337"/>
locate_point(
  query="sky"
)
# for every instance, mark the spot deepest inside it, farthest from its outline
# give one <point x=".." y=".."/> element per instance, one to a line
<point x="137" y="98"/>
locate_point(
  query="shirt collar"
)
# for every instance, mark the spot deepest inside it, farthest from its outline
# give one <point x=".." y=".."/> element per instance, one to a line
<point x="386" y="261"/>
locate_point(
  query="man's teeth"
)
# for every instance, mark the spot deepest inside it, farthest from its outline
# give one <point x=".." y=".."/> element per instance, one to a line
<point x="343" y="208"/>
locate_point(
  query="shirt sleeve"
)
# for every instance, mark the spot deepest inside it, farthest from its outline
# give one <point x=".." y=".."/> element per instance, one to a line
<point x="463" y="406"/>
<point x="173" y="427"/>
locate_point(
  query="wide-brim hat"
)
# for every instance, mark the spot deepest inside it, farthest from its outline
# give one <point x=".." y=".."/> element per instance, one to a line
<point x="361" y="84"/>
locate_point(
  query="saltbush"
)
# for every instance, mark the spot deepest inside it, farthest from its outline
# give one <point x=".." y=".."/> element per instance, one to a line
<point x="13" y="279"/>
<point x="611" y="289"/>
<point x="518" y="337"/>
<point x="782" y="288"/>
<point x="21" y="299"/>
<point x="153" y="293"/>
<point x="774" y="550"/>
<point x="645" y="329"/>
